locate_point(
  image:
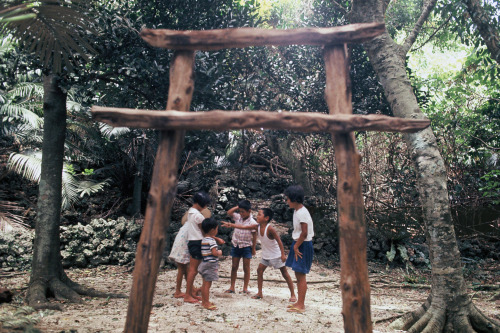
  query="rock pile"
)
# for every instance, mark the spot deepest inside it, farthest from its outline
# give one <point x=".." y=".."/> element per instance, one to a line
<point x="100" y="242"/>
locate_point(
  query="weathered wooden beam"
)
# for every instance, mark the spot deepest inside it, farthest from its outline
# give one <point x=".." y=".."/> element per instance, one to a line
<point x="205" y="40"/>
<point x="224" y="120"/>
<point x="161" y="197"/>
<point x="354" y="283"/>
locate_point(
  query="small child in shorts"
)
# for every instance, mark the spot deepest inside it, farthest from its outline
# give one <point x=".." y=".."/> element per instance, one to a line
<point x="209" y="267"/>
<point x="273" y="252"/>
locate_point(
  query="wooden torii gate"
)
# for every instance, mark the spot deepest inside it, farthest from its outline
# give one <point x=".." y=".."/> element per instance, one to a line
<point x="340" y="122"/>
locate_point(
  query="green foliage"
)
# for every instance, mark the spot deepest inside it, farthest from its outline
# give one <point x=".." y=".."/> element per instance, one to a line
<point x="88" y="172"/>
<point x="491" y="187"/>
<point x="402" y="15"/>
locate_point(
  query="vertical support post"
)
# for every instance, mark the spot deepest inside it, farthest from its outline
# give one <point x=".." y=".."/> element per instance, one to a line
<point x="160" y="199"/>
<point x="354" y="282"/>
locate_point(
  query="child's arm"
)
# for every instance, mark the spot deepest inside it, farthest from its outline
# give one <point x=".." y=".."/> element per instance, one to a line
<point x="239" y="226"/>
<point x="216" y="252"/>
<point x="300" y="240"/>
<point x="231" y="211"/>
<point x="274" y="235"/>
<point x="254" y="243"/>
<point x="219" y="241"/>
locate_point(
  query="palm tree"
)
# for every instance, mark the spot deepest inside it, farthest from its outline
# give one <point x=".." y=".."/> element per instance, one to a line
<point x="59" y="35"/>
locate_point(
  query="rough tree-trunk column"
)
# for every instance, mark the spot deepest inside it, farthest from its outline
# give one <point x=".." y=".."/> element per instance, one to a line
<point x="352" y="229"/>
<point x="161" y="197"/>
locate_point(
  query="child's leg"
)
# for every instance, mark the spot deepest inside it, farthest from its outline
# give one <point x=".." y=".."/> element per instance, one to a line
<point x="234" y="272"/>
<point x="192" y="271"/>
<point x="301" y="290"/>
<point x="246" y="273"/>
<point x="289" y="282"/>
<point x="260" y="278"/>
<point x="181" y="272"/>
<point x="205" y="294"/>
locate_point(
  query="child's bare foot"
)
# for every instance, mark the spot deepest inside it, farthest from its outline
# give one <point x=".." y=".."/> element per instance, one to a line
<point x="296" y="309"/>
<point x="178" y="294"/>
<point x="293" y="299"/>
<point x="190" y="299"/>
<point x="209" y="306"/>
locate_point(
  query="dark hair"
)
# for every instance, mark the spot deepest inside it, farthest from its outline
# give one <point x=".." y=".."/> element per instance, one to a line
<point x="245" y="204"/>
<point x="209" y="224"/>
<point x="201" y="198"/>
<point x="268" y="213"/>
<point x="295" y="193"/>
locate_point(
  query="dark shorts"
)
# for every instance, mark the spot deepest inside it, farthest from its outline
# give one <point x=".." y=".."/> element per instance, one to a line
<point x="241" y="252"/>
<point x="303" y="265"/>
<point x="194" y="247"/>
<point x="209" y="270"/>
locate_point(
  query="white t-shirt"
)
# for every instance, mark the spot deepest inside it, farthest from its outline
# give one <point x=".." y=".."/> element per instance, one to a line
<point x="193" y="223"/>
<point x="302" y="216"/>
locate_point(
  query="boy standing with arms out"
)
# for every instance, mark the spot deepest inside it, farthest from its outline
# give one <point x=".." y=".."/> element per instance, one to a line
<point x="301" y="251"/>
<point x="243" y="243"/>
<point x="209" y="267"/>
<point x="273" y="253"/>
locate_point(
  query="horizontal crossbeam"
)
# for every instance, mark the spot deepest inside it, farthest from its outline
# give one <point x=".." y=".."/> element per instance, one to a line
<point x="218" y="120"/>
<point x="216" y="39"/>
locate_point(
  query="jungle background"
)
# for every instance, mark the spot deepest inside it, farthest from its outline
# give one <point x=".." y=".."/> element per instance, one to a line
<point x="107" y="171"/>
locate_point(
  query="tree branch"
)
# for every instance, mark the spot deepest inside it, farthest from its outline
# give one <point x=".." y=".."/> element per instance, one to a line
<point x="433" y="34"/>
<point x="410" y="40"/>
<point x="487" y="31"/>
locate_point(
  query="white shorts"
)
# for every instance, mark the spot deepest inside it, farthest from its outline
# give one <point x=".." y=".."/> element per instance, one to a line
<point x="274" y="263"/>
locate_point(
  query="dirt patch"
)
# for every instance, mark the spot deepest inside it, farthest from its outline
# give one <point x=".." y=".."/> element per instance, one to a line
<point x="390" y="297"/>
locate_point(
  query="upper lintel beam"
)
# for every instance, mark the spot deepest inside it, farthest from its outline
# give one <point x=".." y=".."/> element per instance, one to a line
<point x="216" y="39"/>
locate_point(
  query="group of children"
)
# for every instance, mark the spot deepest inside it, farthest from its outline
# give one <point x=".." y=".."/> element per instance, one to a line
<point x="195" y="249"/>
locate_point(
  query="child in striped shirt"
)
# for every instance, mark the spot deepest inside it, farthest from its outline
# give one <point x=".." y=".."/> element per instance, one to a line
<point x="209" y="267"/>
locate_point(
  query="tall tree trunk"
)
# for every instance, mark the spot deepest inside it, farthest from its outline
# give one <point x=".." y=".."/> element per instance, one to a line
<point x="46" y="267"/>
<point x="135" y="209"/>
<point x="487" y="31"/>
<point x="448" y="307"/>
<point x="47" y="275"/>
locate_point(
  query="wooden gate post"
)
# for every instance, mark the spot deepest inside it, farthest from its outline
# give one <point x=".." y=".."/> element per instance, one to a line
<point x="161" y="197"/>
<point x="354" y="281"/>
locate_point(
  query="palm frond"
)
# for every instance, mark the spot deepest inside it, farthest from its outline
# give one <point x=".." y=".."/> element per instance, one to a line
<point x="57" y="32"/>
<point x="13" y="112"/>
<point x="70" y="186"/>
<point x="88" y="187"/>
<point x="8" y="218"/>
<point x="112" y="132"/>
<point x="29" y="165"/>
<point x="27" y="90"/>
<point x="23" y="133"/>
<point x="5" y="45"/>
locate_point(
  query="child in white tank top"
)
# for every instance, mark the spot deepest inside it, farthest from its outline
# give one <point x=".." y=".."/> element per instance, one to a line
<point x="273" y="253"/>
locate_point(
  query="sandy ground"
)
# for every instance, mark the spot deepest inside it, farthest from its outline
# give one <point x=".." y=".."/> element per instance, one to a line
<point x="390" y="297"/>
